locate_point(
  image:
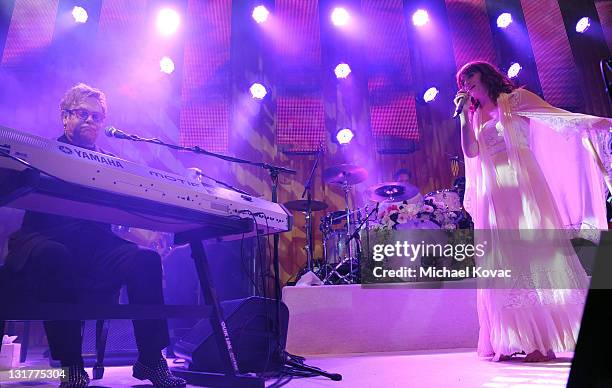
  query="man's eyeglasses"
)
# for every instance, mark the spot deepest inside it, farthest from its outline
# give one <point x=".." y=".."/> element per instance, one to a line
<point x="84" y="114"/>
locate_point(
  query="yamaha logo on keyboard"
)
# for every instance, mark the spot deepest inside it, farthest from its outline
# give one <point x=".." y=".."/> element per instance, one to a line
<point x="84" y="154"/>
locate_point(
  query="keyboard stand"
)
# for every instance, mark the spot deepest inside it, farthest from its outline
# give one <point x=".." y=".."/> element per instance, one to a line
<point x="231" y="377"/>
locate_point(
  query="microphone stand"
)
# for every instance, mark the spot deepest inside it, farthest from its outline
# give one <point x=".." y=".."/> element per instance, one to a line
<point x="308" y="190"/>
<point x="201" y="151"/>
<point x="274" y="171"/>
<point x="226" y="185"/>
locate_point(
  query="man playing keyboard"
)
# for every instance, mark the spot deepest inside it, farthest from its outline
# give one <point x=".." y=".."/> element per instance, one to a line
<point x="73" y="260"/>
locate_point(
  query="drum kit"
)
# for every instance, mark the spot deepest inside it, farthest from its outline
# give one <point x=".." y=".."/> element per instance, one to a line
<point x="340" y="228"/>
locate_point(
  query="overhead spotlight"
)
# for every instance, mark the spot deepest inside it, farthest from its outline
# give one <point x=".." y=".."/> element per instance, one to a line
<point x="260" y="14"/>
<point x="504" y="20"/>
<point x="340" y="17"/>
<point x="513" y="70"/>
<point x="344" y="136"/>
<point x="430" y="94"/>
<point x="258" y="91"/>
<point x="166" y="65"/>
<point x="583" y="24"/>
<point x="420" y="18"/>
<point x="79" y="14"/>
<point x="342" y="70"/>
<point x="168" y="21"/>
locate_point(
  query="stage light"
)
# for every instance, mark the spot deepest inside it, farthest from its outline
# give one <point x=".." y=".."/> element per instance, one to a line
<point x="340" y="17"/>
<point x="420" y="18"/>
<point x="166" y="65"/>
<point x="344" y="136"/>
<point x="79" y="14"/>
<point x="258" y="91"/>
<point x="168" y="21"/>
<point x="260" y="14"/>
<point x="514" y="69"/>
<point x="430" y="94"/>
<point x="342" y="70"/>
<point x="583" y="24"/>
<point x="504" y="20"/>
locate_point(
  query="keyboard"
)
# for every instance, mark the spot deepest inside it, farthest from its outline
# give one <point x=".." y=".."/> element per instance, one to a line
<point x="59" y="178"/>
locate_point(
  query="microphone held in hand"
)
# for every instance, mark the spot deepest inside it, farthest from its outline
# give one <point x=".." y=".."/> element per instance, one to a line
<point x="460" y="105"/>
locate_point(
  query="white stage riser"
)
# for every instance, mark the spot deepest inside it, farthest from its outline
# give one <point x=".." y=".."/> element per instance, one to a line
<point x="351" y="319"/>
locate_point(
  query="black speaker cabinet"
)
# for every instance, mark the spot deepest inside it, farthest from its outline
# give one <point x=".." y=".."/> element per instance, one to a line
<point x="252" y="326"/>
<point x="592" y="362"/>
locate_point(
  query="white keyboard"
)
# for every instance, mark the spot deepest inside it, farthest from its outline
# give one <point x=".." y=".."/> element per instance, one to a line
<point x="79" y="183"/>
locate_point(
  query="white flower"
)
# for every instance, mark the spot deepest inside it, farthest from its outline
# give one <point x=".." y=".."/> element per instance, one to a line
<point x="402" y="218"/>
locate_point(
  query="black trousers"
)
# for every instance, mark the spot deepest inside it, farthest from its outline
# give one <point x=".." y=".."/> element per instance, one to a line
<point x="91" y="267"/>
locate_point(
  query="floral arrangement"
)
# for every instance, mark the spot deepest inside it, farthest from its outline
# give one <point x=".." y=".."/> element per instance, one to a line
<point x="437" y="212"/>
<point x="393" y="214"/>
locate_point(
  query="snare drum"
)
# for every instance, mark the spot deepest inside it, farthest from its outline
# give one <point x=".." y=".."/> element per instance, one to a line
<point x="446" y="199"/>
<point x="336" y="248"/>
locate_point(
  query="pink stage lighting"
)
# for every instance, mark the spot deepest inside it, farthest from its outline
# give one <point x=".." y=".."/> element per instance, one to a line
<point x="79" y="14"/>
<point x="340" y="17"/>
<point x="258" y="91"/>
<point x="168" y="21"/>
<point x="504" y="20"/>
<point x="344" y="136"/>
<point x="166" y="65"/>
<point x="514" y="70"/>
<point x="420" y="18"/>
<point x="342" y="70"/>
<point x="583" y="24"/>
<point x="260" y="14"/>
<point x="430" y="94"/>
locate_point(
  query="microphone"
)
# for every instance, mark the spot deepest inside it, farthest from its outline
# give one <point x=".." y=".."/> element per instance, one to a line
<point x="114" y="132"/>
<point x="461" y="102"/>
<point x="460" y="105"/>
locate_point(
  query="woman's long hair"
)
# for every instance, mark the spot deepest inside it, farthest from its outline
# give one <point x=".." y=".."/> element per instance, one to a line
<point x="495" y="81"/>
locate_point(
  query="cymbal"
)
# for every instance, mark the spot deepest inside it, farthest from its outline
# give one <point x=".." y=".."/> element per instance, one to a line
<point x="392" y="192"/>
<point x="345" y="174"/>
<point x="301" y="205"/>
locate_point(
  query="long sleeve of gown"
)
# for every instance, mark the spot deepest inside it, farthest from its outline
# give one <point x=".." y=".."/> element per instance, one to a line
<point x="527" y="104"/>
<point x="558" y="139"/>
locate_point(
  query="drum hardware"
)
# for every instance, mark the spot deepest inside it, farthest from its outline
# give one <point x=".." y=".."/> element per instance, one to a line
<point x="307" y="209"/>
<point x="308" y="206"/>
<point x="345" y="175"/>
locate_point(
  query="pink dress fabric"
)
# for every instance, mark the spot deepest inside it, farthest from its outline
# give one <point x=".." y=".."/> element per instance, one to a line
<point x="532" y="173"/>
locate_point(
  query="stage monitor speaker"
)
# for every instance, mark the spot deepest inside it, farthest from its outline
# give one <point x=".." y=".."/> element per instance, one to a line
<point x="252" y="325"/>
<point x="591" y="365"/>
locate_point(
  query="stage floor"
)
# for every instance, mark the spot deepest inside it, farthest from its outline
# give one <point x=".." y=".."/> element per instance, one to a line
<point x="431" y="369"/>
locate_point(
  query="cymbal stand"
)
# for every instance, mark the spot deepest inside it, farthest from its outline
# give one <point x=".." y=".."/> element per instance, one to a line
<point x="346" y="187"/>
<point x="308" y="214"/>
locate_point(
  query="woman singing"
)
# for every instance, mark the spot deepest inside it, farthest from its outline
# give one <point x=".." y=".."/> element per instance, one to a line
<point x="527" y="170"/>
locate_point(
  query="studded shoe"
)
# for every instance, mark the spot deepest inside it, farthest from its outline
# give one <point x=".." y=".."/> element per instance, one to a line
<point x="76" y="377"/>
<point x="158" y="374"/>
